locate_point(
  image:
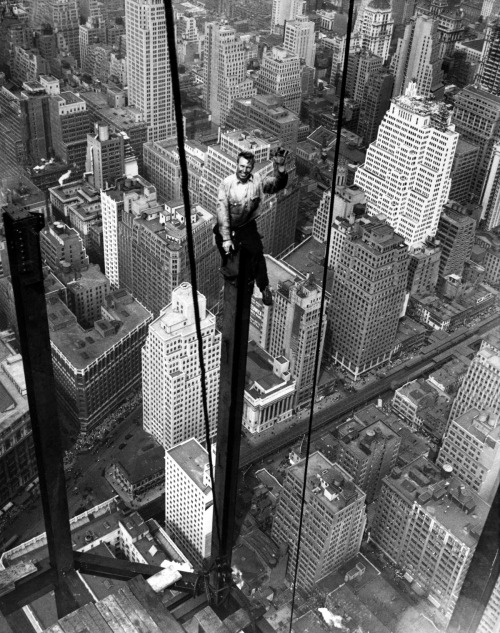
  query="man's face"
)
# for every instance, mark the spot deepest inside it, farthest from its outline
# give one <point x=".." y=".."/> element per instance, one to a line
<point x="244" y="169"/>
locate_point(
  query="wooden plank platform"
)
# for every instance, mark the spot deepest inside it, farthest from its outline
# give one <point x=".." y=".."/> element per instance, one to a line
<point x="136" y="608"/>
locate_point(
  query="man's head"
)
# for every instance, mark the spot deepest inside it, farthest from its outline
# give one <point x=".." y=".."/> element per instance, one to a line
<point x="244" y="166"/>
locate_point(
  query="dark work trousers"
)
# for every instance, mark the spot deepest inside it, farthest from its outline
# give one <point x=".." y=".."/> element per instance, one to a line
<point x="246" y="237"/>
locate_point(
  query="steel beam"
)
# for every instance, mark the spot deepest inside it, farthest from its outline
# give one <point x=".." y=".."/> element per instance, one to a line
<point x="236" y="322"/>
<point x="22" y="235"/>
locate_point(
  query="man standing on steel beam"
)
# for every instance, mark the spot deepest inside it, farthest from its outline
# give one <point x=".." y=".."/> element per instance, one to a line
<point x="238" y="204"/>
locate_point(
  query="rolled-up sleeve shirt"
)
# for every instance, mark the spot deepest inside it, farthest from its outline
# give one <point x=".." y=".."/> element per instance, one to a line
<point x="238" y="202"/>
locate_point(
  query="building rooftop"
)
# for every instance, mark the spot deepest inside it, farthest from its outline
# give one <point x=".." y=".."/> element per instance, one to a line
<point x="308" y="257"/>
<point x="13" y="400"/>
<point x="446" y="500"/>
<point x="448" y="374"/>
<point x="365" y="439"/>
<point x="328" y="482"/>
<point x="82" y="347"/>
<point x="193" y="459"/>
<point x="143" y="456"/>
<point x="483" y="425"/>
<point x="417" y="391"/>
<point x="260" y="376"/>
<point x="408" y="328"/>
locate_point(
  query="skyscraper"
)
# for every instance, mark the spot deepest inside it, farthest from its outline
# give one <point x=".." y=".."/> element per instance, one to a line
<point x="362" y="65"/>
<point x="299" y="39"/>
<point x="70" y="124"/>
<point x="489" y="69"/>
<point x="62" y="15"/>
<point x="292" y="331"/>
<point x="375" y="102"/>
<point x="490" y="195"/>
<point x="417" y="59"/>
<point x="456" y="236"/>
<point x="225" y="70"/>
<point x="367" y="297"/>
<point x="462" y="173"/>
<point x="481" y="385"/>
<point x="334" y="518"/>
<point x="105" y="156"/>
<point x="406" y="174"/>
<point x="145" y="244"/>
<point x="280" y="74"/>
<point x="148" y="66"/>
<point x="172" y="401"/>
<point x="376" y="27"/>
<point x="476" y="116"/>
<point x="471" y="446"/>
<point x="429" y="524"/>
<point x="188" y="499"/>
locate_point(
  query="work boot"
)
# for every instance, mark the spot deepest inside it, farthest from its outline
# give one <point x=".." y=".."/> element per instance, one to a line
<point x="267" y="296"/>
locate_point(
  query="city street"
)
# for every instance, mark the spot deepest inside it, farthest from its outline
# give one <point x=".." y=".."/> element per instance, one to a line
<point x="85" y="484"/>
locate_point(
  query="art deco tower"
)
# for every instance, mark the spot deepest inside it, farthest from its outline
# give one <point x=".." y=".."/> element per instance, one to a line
<point x="148" y="66"/>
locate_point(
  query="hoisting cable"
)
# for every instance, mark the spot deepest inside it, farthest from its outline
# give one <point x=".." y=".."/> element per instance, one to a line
<point x="176" y="92"/>
<point x="317" y="356"/>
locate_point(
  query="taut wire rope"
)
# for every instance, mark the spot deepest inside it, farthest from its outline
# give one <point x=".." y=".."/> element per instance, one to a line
<point x="317" y="355"/>
<point x="176" y="92"/>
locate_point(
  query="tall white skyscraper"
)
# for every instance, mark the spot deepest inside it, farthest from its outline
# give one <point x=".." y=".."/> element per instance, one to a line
<point x="375" y="27"/>
<point x="407" y="172"/>
<point x="280" y="74"/>
<point x="111" y="212"/>
<point x="148" y="66"/>
<point x="417" y="58"/>
<point x="225" y="71"/>
<point x="481" y="387"/>
<point x="188" y="499"/>
<point x="172" y="402"/>
<point x="299" y="39"/>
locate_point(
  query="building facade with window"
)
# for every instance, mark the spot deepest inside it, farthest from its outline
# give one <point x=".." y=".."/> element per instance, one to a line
<point x="172" y="396"/>
<point x="334" y="519"/>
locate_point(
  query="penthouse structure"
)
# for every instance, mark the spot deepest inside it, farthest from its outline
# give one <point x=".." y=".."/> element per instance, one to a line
<point x="334" y="518"/>
<point x="429" y="523"/>
<point x="188" y="499"/>
<point x="172" y="397"/>
<point x="95" y="369"/>
<point x="471" y="447"/>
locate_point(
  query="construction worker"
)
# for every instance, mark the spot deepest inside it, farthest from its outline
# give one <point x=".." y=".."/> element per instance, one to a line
<point x="238" y="206"/>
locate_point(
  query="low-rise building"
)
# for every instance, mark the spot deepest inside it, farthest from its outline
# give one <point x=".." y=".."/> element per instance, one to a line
<point x="269" y="392"/>
<point x="429" y="524"/>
